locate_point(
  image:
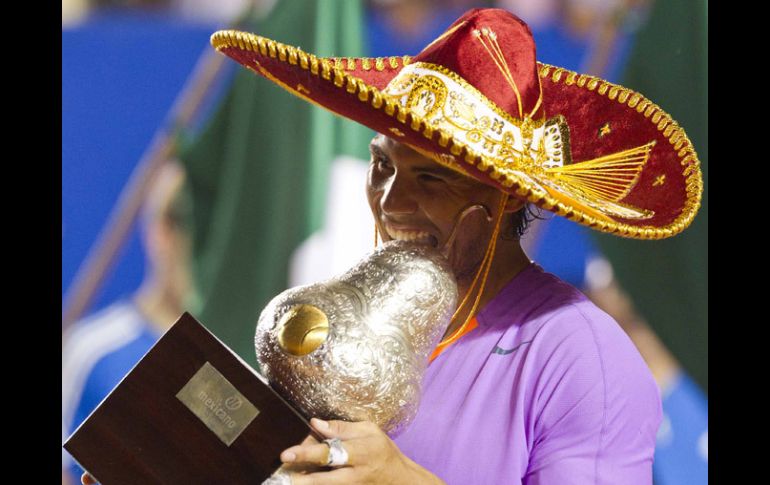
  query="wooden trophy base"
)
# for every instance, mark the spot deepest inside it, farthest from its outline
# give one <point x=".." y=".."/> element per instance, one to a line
<point x="190" y="412"/>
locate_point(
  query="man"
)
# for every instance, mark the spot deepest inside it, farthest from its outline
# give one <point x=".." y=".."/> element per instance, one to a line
<point x="100" y="350"/>
<point x="531" y="383"/>
<point x="538" y="345"/>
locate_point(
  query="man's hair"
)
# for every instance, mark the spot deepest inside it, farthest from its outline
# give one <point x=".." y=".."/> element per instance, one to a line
<point x="520" y="220"/>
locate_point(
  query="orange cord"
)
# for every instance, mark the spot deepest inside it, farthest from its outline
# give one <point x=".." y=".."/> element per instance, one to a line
<point x="437" y="351"/>
<point x="486" y="265"/>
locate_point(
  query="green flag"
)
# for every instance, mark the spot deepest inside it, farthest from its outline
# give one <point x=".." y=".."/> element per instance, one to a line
<point x="668" y="279"/>
<point x="258" y="172"/>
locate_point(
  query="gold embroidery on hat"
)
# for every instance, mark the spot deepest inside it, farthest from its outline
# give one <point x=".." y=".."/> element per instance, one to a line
<point x="352" y="87"/>
<point x="610" y="177"/>
<point x="366" y="64"/>
<point x="390" y="106"/>
<point x="339" y="78"/>
<point x="396" y="131"/>
<point x="401" y="115"/>
<point x="443" y="138"/>
<point x="539" y="97"/>
<point x="487" y="36"/>
<point x="376" y="99"/>
<point x="427" y="96"/>
<point x="659" y="180"/>
<point x="595" y="186"/>
<point x="604" y="130"/>
<point x="555" y="144"/>
<point x="302" y="89"/>
<point x="647" y="112"/>
<point x="326" y="69"/>
<point x="363" y="91"/>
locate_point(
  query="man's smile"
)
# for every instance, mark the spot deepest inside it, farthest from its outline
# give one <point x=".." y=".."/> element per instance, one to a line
<point x="407" y="233"/>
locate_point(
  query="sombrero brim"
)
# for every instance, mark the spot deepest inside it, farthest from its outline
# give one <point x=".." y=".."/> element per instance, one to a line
<point x="602" y="118"/>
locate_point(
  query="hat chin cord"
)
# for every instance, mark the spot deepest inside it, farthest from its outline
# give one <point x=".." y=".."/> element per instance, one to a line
<point x="482" y="272"/>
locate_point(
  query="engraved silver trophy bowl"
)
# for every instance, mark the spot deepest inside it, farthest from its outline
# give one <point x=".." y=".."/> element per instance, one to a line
<point x="355" y="347"/>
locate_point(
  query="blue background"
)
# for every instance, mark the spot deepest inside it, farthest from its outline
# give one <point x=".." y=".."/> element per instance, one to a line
<point x="120" y="76"/>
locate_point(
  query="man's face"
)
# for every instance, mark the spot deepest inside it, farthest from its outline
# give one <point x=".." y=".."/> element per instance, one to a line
<point x="414" y="198"/>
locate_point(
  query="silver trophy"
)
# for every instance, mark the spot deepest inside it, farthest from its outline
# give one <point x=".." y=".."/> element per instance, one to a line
<point x="355" y="347"/>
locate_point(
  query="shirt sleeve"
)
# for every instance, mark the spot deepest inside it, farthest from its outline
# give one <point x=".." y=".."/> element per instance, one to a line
<point x="596" y="407"/>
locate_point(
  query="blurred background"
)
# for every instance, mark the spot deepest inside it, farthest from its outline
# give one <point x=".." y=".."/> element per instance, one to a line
<point x="188" y="184"/>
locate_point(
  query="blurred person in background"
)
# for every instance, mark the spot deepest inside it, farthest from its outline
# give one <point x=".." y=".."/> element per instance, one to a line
<point x="98" y="351"/>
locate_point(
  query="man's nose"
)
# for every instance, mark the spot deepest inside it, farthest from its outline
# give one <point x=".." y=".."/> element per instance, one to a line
<point x="398" y="197"/>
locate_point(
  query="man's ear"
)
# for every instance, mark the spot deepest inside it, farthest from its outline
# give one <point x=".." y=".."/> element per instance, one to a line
<point x="514" y="204"/>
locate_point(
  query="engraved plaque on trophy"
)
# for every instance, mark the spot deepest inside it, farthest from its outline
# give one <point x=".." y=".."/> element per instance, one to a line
<point x="190" y="412"/>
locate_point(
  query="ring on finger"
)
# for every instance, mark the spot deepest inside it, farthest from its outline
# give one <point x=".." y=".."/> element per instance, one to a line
<point x="338" y="455"/>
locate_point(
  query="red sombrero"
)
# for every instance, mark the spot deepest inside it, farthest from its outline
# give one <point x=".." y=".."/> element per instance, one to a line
<point x="476" y="100"/>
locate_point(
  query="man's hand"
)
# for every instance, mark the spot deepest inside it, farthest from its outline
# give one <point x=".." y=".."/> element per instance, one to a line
<point x="372" y="457"/>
